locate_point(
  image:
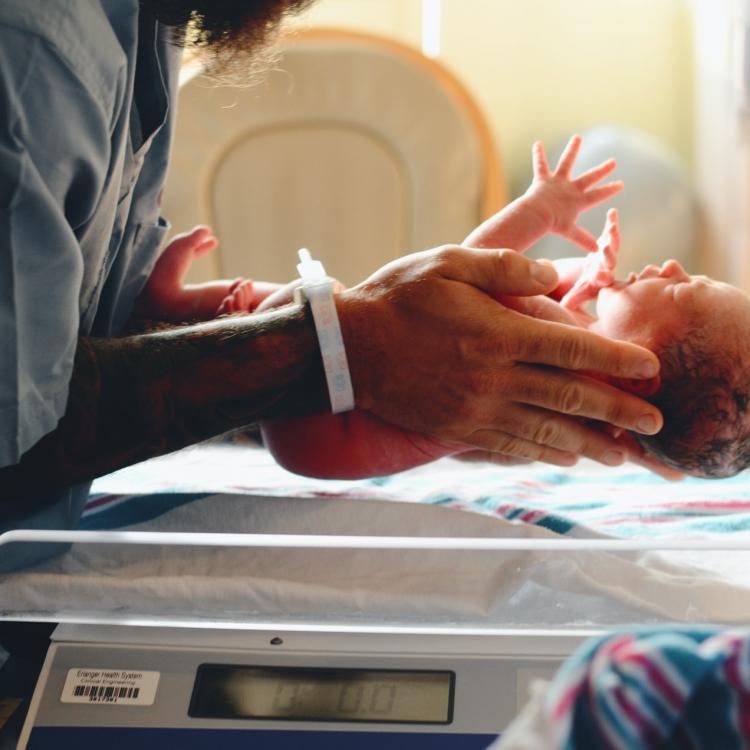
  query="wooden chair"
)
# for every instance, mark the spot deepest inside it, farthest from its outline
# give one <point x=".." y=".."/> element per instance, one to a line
<point x="358" y="147"/>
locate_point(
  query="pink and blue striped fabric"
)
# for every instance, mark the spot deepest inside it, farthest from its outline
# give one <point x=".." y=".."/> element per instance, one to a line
<point x="643" y="690"/>
<point x="589" y="499"/>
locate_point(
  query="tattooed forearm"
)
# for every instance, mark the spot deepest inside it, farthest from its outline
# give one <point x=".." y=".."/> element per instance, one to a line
<point x="142" y="396"/>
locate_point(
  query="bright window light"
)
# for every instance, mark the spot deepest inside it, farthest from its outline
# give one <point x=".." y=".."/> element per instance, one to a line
<point x="432" y="27"/>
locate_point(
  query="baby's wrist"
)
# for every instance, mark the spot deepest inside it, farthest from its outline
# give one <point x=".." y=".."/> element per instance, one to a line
<point x="539" y="209"/>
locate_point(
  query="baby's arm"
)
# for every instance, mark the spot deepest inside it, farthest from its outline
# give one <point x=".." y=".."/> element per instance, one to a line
<point x="552" y="203"/>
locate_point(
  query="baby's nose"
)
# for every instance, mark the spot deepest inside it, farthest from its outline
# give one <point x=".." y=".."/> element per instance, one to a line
<point x="672" y="268"/>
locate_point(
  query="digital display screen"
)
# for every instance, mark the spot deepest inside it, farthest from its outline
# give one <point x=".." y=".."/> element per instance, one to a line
<point x="223" y="691"/>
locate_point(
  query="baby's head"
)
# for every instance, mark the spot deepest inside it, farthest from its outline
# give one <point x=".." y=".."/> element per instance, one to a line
<point x="700" y="330"/>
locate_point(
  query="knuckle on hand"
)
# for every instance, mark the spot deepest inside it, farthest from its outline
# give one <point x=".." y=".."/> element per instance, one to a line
<point x="511" y="446"/>
<point x="547" y="432"/>
<point x="448" y="256"/>
<point x="477" y="387"/>
<point x="615" y="412"/>
<point x="573" y="354"/>
<point x="506" y="262"/>
<point x="571" y="397"/>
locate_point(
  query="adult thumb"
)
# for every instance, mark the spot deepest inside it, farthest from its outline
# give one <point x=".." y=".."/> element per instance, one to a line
<point x="502" y="272"/>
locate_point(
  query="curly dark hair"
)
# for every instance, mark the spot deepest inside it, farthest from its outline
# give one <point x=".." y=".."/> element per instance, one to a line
<point x="232" y="35"/>
<point x="704" y="397"/>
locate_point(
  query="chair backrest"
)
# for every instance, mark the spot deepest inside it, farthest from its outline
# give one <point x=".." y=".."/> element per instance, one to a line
<point x="358" y="147"/>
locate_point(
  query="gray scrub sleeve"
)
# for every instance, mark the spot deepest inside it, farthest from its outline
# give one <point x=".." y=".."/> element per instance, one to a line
<point x="54" y="155"/>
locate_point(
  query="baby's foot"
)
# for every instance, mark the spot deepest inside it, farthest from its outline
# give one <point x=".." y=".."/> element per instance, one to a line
<point x="166" y="280"/>
<point x="238" y="299"/>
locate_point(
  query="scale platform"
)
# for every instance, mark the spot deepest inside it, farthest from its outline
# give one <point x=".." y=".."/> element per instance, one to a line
<point x="275" y="641"/>
<point x="149" y="688"/>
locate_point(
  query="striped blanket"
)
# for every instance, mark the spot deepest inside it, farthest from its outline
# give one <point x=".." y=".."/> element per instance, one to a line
<point x="589" y="500"/>
<point x="678" y="689"/>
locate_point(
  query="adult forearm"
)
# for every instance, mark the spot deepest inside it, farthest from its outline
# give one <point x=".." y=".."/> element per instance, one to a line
<point x="141" y="396"/>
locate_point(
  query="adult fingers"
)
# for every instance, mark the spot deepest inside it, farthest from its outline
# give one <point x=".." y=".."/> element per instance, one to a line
<point x="485" y="456"/>
<point x="568" y="157"/>
<point x="548" y="343"/>
<point x="563" y="433"/>
<point x="581" y="396"/>
<point x="518" y="448"/>
<point x="498" y="272"/>
<point x="539" y="161"/>
<point x="638" y="455"/>
<point x="671" y="475"/>
<point x="587" y="179"/>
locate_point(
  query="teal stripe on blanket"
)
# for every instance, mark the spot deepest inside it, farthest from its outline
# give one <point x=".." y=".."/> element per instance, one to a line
<point x="134" y="509"/>
<point x="625" y="502"/>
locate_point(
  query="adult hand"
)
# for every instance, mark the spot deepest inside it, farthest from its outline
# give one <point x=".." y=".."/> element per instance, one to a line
<point x="637" y="455"/>
<point x="489" y="457"/>
<point x="432" y="350"/>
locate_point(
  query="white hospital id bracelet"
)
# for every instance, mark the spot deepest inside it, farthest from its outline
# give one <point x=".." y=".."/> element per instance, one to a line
<point x="317" y="289"/>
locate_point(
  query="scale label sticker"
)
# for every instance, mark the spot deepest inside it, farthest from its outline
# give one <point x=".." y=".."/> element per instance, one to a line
<point x="110" y="687"/>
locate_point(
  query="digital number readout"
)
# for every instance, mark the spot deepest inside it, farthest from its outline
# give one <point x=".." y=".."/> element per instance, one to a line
<point x="298" y="694"/>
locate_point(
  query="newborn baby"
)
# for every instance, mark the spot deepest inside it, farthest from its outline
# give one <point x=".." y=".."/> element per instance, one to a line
<point x="699" y="330"/>
<point x="693" y="324"/>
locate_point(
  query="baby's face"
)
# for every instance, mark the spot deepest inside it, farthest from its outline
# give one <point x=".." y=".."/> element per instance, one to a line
<point x="655" y="306"/>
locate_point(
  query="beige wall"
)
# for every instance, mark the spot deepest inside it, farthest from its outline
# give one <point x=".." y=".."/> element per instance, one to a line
<point x="547" y="68"/>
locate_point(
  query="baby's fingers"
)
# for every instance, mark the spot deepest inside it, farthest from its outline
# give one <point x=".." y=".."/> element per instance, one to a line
<point x="569" y="155"/>
<point x="587" y="179"/>
<point x="539" y="160"/>
<point x="582" y="238"/>
<point x="579" y="295"/>
<point x="598" y="195"/>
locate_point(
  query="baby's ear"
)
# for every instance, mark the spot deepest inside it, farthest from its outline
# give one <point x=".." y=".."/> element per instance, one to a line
<point x="642" y="388"/>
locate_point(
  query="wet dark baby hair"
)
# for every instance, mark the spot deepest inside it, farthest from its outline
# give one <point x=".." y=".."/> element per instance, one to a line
<point x="704" y="397"/>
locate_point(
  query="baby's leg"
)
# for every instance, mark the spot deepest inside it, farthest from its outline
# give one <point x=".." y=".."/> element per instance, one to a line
<point x="354" y="445"/>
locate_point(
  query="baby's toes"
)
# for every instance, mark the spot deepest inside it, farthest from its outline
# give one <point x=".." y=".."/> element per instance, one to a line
<point x="227" y="306"/>
<point x="243" y="296"/>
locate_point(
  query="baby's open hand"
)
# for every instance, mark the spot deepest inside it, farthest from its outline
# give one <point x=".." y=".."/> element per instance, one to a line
<point x="598" y="268"/>
<point x="562" y="199"/>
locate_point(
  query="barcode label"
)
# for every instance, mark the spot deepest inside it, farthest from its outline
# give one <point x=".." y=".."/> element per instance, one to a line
<point x="110" y="687"/>
<point x="111" y="694"/>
